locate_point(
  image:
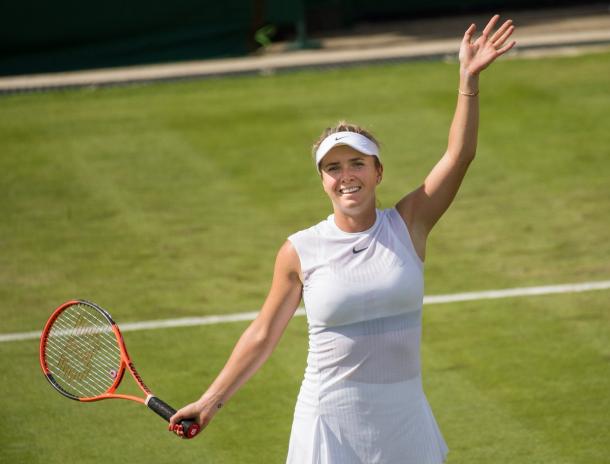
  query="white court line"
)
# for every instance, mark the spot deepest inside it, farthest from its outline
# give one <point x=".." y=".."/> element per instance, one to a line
<point x="432" y="299"/>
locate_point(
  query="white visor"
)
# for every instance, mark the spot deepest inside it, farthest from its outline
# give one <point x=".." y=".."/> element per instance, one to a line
<point x="357" y="141"/>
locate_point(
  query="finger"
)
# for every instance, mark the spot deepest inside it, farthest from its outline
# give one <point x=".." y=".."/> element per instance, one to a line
<point x="500" y="41"/>
<point x="469" y="33"/>
<point x="506" y="48"/>
<point x="501" y="30"/>
<point x="177" y="418"/>
<point x="177" y="429"/>
<point x="490" y="25"/>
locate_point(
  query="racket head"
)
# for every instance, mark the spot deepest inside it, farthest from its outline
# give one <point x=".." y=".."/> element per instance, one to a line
<point x="81" y="351"/>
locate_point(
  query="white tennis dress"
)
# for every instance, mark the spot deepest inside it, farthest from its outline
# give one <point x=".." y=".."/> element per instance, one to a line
<point x="361" y="400"/>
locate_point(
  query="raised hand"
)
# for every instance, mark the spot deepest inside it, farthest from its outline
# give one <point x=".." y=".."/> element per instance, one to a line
<point x="476" y="55"/>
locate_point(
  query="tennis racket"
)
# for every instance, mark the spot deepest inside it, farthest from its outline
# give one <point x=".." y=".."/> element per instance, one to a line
<point x="83" y="356"/>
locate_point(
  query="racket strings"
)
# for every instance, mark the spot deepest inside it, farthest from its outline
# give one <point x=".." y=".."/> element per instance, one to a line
<point x="82" y="352"/>
<point x="76" y="368"/>
<point x="84" y="356"/>
<point x="69" y="331"/>
<point x="95" y="387"/>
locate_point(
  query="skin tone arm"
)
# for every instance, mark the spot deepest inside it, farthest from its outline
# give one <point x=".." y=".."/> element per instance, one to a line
<point x="423" y="207"/>
<point x="256" y="343"/>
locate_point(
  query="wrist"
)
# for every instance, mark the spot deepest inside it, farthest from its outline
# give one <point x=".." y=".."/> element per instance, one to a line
<point x="465" y="72"/>
<point x="217" y="399"/>
<point x="469" y="83"/>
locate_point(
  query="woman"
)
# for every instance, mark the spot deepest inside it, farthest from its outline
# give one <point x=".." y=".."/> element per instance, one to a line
<point x="360" y="276"/>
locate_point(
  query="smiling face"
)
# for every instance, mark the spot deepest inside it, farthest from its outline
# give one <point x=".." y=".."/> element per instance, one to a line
<point x="349" y="179"/>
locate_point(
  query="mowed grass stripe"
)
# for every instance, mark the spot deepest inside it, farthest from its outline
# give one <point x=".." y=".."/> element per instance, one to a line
<point x="432" y="299"/>
<point x="534" y="363"/>
<point x="480" y="427"/>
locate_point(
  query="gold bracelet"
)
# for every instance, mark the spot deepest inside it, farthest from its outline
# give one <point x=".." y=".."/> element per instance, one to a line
<point x="468" y="94"/>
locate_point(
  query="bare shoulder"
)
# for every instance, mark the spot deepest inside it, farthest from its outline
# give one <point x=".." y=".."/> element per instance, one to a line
<point x="287" y="261"/>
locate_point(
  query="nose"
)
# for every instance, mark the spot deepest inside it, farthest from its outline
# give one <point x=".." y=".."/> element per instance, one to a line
<point x="347" y="173"/>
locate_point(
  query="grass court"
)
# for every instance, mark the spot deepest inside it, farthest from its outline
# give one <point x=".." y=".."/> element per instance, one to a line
<point x="171" y="200"/>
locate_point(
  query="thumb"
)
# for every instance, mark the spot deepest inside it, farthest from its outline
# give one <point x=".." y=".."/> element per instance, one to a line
<point x="469" y="32"/>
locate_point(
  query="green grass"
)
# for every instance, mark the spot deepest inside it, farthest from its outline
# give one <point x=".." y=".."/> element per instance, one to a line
<point x="171" y="200"/>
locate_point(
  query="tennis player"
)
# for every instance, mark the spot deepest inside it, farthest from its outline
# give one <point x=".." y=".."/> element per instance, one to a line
<point x="360" y="274"/>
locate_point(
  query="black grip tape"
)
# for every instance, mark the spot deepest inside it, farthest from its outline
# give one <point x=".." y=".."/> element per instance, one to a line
<point x="189" y="427"/>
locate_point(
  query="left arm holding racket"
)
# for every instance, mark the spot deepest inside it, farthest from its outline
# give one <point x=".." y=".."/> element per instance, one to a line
<point x="83" y="356"/>
<point x="256" y="343"/>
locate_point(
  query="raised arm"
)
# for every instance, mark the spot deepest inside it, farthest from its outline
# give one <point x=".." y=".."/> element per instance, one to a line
<point x="256" y="343"/>
<point x="423" y="207"/>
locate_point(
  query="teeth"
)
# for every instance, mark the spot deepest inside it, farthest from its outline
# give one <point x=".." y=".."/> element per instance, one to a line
<point x="349" y="189"/>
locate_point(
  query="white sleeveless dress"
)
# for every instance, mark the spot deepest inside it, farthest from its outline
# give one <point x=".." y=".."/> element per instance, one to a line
<point x="361" y="400"/>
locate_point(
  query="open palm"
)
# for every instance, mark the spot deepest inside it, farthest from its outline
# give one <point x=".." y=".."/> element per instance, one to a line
<point x="476" y="55"/>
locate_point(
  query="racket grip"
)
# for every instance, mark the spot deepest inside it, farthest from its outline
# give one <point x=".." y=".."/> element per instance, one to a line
<point x="189" y="427"/>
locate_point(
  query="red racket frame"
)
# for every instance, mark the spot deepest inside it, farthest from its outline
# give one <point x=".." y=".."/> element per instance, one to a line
<point x="189" y="427"/>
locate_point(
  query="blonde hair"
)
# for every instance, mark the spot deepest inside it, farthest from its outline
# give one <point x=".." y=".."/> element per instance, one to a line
<point x="344" y="126"/>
